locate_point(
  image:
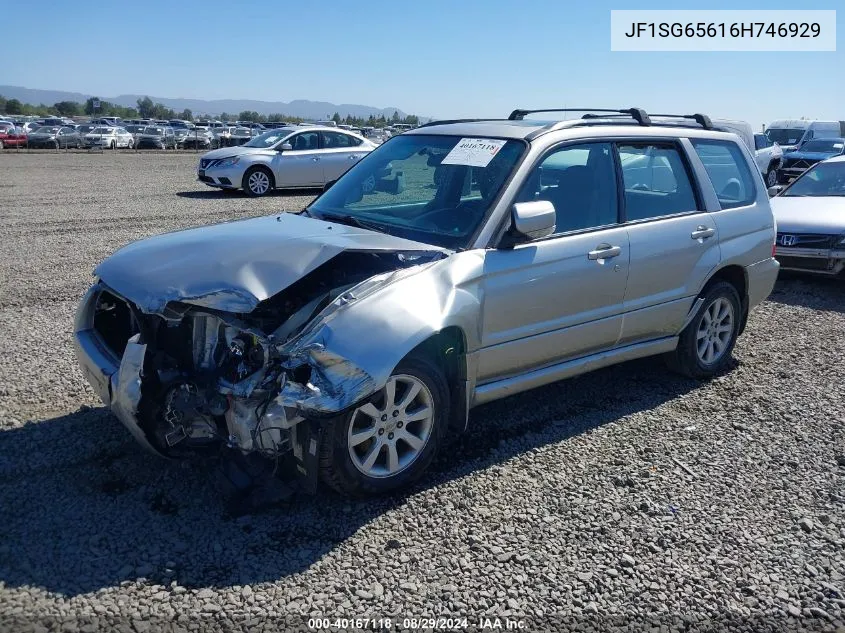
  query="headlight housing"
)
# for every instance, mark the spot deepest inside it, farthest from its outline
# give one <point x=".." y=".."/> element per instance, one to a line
<point x="229" y="162"/>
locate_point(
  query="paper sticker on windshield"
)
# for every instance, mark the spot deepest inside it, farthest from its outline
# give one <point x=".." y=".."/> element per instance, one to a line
<point x="475" y="152"/>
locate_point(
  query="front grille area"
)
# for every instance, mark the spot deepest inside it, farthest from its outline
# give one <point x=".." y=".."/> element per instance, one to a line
<point x="207" y="179"/>
<point x="114" y="322"/>
<point x="805" y="240"/>
<point x="806" y="263"/>
<point x="798" y="163"/>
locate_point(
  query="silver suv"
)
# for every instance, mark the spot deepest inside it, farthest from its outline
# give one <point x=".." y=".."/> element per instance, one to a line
<point x="457" y="263"/>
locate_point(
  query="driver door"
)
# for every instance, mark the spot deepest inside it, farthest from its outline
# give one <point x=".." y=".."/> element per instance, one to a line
<point x="299" y="166"/>
<point x="561" y="297"/>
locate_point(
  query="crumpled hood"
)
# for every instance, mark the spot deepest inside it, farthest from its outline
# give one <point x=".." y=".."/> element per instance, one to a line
<point x="808" y="214"/>
<point x="235" y="265"/>
<point x="239" y="150"/>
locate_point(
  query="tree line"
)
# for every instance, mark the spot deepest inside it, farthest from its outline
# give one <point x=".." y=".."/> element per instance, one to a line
<point x="147" y="109"/>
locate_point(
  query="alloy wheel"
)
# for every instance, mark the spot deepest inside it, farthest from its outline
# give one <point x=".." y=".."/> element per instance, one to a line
<point x="772" y="178"/>
<point x="259" y="183"/>
<point x="715" y="331"/>
<point x="388" y="434"/>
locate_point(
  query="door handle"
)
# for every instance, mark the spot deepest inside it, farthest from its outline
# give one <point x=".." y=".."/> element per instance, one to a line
<point x="702" y="233"/>
<point x="353" y="157"/>
<point x="316" y="158"/>
<point x="604" y="251"/>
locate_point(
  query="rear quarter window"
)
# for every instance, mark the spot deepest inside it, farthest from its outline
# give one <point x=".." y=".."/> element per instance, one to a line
<point x="728" y="171"/>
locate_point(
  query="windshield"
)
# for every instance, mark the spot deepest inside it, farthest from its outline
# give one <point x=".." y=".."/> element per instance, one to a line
<point x="155" y="131"/>
<point x="134" y="128"/>
<point x="827" y="145"/>
<point x="266" y="139"/>
<point x="785" y="136"/>
<point x="101" y="130"/>
<point x="824" y="179"/>
<point x="47" y="130"/>
<point x="433" y="189"/>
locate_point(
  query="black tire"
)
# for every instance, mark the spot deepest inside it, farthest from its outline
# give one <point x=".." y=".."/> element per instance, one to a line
<point x="336" y="467"/>
<point x="685" y="359"/>
<point x="246" y="184"/>
<point x="772" y="176"/>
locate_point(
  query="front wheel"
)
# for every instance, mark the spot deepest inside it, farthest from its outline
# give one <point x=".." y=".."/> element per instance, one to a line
<point x="771" y="177"/>
<point x="257" y="181"/>
<point x="705" y="346"/>
<point x="390" y="440"/>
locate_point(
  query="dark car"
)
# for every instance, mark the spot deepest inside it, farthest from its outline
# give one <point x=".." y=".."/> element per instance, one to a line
<point x="241" y="135"/>
<point x="200" y="139"/>
<point x="55" y="136"/>
<point x="156" y="137"/>
<point x="808" y="154"/>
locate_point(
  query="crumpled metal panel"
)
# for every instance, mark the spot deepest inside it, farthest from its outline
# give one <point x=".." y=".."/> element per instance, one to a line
<point x="126" y="390"/>
<point x="234" y="266"/>
<point x="355" y="343"/>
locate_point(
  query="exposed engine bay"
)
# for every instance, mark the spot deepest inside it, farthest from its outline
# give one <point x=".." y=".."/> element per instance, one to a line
<point x="193" y="379"/>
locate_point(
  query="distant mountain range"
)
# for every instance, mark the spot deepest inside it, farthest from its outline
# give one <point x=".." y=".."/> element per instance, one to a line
<point x="298" y="108"/>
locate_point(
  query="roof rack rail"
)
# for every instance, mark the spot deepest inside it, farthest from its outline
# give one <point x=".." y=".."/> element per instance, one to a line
<point x="638" y="114"/>
<point x="448" y="121"/>
<point x="702" y="119"/>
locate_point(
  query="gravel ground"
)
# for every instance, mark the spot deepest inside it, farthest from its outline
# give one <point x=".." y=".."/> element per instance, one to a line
<point x="627" y="497"/>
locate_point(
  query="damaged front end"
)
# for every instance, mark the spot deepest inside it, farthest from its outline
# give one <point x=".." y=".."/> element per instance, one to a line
<point x="189" y="378"/>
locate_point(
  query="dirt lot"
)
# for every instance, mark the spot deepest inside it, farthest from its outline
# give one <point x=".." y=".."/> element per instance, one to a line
<point x="628" y="496"/>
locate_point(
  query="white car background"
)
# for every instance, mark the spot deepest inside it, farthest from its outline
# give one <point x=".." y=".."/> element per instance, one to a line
<point x="284" y="158"/>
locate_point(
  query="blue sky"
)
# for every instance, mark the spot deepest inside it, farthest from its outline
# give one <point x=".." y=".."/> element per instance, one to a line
<point x="437" y="58"/>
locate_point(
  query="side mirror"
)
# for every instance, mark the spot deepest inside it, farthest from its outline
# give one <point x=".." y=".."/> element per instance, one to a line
<point x="775" y="190"/>
<point x="533" y="220"/>
<point x="285" y="147"/>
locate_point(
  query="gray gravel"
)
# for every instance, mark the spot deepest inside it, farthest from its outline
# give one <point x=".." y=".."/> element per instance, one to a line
<point x="626" y="497"/>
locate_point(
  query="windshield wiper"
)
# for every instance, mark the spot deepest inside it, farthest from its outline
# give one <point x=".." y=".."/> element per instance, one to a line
<point x="354" y="221"/>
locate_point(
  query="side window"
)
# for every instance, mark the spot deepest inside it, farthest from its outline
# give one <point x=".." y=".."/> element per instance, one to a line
<point x="761" y="141"/>
<point x="656" y="181"/>
<point x="580" y="181"/>
<point x="304" y="141"/>
<point x="334" y="140"/>
<point x="728" y="171"/>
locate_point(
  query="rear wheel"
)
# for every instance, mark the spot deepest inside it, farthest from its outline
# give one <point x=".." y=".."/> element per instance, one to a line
<point x="257" y="181"/>
<point x="389" y="441"/>
<point x="705" y="346"/>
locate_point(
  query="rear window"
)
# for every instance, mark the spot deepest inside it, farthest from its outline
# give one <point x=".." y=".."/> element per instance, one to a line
<point x="728" y="171"/>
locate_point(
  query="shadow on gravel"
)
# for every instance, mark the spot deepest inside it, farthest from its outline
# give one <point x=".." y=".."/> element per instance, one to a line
<point x="213" y="194"/>
<point x="818" y="293"/>
<point x="84" y="509"/>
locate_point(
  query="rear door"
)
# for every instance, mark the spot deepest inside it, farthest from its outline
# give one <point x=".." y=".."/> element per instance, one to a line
<point x="338" y="153"/>
<point x="301" y="165"/>
<point x="674" y="241"/>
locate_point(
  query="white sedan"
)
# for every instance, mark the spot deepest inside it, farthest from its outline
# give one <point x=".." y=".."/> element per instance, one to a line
<point x="284" y="158"/>
<point x="109" y="138"/>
